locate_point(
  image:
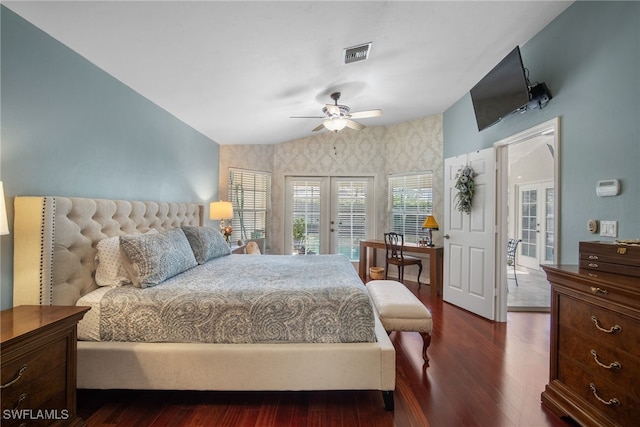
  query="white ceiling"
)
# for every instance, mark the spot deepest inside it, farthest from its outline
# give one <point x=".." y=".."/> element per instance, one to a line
<point x="236" y="70"/>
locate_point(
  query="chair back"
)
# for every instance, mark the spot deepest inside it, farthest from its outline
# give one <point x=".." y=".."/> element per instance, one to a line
<point x="394" y="243"/>
<point x="512" y="246"/>
<point x="253" y="248"/>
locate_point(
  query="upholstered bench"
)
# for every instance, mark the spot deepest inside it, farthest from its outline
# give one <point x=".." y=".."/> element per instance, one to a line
<point x="400" y="310"/>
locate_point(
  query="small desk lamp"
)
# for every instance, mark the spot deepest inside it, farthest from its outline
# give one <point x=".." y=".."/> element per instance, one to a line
<point x="222" y="211"/>
<point x="430" y="224"/>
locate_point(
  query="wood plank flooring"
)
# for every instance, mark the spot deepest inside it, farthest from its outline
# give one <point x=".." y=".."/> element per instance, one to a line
<point x="480" y="374"/>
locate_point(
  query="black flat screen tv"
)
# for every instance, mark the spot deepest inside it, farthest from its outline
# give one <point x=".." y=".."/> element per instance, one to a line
<point x="502" y="91"/>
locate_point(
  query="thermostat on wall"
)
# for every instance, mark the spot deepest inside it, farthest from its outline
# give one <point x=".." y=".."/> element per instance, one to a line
<point x="608" y="187"/>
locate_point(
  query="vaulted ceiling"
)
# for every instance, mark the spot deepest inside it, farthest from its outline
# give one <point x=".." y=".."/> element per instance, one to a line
<point x="236" y="71"/>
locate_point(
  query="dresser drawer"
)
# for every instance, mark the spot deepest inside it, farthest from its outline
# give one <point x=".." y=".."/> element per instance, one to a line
<point x="605" y="396"/>
<point x="610" y="363"/>
<point x="610" y="267"/>
<point x="612" y="257"/>
<point x="35" y="377"/>
<point x="606" y="326"/>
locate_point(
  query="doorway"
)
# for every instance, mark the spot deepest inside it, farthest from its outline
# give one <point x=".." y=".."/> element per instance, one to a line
<point x="327" y="215"/>
<point x="528" y="213"/>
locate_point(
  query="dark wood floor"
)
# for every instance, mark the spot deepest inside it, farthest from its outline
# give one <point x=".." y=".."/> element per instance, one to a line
<point x="480" y="374"/>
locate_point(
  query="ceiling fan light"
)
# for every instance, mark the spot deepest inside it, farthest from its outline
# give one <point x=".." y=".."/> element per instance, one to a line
<point x="336" y="124"/>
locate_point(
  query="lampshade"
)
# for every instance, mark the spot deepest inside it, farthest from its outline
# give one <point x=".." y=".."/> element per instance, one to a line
<point x="220" y="210"/>
<point x="430" y="223"/>
<point x="335" y="124"/>
<point x="4" y="227"/>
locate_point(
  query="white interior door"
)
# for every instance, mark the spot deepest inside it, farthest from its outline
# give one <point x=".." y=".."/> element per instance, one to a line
<point x="469" y="244"/>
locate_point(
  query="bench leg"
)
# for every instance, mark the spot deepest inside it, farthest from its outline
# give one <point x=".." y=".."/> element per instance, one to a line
<point x="427" y="341"/>
<point x="387" y="396"/>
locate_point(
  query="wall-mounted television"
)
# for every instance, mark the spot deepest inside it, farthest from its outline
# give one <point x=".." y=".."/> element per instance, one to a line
<point x="502" y="91"/>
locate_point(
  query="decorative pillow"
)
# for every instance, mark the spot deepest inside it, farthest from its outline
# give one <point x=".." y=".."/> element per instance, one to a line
<point x="110" y="270"/>
<point x="207" y="243"/>
<point x="153" y="258"/>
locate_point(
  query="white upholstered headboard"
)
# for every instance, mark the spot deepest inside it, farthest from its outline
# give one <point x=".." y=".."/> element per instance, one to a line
<point x="55" y="241"/>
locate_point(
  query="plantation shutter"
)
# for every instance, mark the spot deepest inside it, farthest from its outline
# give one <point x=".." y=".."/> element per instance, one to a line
<point x="250" y="193"/>
<point x="410" y="201"/>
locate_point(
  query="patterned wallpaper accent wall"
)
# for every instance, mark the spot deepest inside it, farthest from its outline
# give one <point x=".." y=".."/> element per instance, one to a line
<point x="374" y="151"/>
<point x="252" y="157"/>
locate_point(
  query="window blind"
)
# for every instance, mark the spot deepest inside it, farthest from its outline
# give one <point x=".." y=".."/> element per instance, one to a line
<point x="410" y="201"/>
<point x="250" y="193"/>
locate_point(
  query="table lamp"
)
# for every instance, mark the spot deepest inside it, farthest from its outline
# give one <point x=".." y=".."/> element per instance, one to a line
<point x="430" y="224"/>
<point x="222" y="211"/>
<point x="4" y="226"/>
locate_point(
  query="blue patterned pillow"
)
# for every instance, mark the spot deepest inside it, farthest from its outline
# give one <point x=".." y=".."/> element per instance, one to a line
<point x="153" y="258"/>
<point x="207" y="243"/>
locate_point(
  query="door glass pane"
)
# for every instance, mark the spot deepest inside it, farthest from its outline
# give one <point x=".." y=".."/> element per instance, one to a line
<point x="306" y="217"/>
<point x="549" y="238"/>
<point x="351" y="224"/>
<point x="529" y="222"/>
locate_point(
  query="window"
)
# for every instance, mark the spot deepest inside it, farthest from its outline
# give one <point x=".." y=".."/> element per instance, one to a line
<point x="250" y="194"/>
<point x="410" y="201"/>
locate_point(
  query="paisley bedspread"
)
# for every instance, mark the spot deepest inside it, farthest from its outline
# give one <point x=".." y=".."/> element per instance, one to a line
<point x="246" y="299"/>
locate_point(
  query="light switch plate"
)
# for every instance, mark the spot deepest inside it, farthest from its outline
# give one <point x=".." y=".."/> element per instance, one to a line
<point x="609" y="228"/>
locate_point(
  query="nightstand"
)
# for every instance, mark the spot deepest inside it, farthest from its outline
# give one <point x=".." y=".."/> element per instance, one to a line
<point x="38" y="372"/>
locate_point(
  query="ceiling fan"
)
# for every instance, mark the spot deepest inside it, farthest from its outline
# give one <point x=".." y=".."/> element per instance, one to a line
<point x="337" y="117"/>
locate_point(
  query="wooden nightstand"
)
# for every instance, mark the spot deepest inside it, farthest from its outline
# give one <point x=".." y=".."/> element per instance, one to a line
<point x="38" y="372"/>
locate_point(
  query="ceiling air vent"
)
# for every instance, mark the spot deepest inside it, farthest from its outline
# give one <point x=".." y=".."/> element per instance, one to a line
<point x="357" y="53"/>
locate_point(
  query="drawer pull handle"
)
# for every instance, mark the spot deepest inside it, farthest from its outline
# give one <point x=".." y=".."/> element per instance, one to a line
<point x="614" y="328"/>
<point x="593" y="265"/>
<point x="609" y="402"/>
<point x="21" y="398"/>
<point x="599" y="290"/>
<point x="17" y="378"/>
<point x="612" y="365"/>
<point x="593" y="257"/>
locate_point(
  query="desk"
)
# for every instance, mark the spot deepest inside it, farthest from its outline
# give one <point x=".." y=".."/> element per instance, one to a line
<point x="435" y="260"/>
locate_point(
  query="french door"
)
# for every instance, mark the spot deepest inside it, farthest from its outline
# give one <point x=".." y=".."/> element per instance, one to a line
<point x="536" y="220"/>
<point x="328" y="215"/>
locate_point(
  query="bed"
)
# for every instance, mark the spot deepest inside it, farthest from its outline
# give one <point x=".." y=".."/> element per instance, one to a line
<point x="54" y="263"/>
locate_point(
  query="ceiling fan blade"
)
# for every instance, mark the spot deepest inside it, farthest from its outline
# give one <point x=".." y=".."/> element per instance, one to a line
<point x="366" y="114"/>
<point x="355" y="125"/>
<point x="306" y="117"/>
<point x="333" y="109"/>
<point x="317" y="128"/>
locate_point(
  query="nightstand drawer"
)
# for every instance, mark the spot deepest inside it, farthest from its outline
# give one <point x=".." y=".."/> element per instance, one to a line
<point x="33" y="365"/>
<point x="36" y="377"/>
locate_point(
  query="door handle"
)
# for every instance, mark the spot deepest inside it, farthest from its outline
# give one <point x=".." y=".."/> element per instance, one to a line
<point x="446" y="236"/>
<point x="332" y="230"/>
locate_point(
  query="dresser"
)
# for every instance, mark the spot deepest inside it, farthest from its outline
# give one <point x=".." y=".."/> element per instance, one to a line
<point x="38" y="372"/>
<point x="594" y="374"/>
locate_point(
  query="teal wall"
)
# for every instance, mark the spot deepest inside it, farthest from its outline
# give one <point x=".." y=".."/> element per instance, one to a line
<point x="590" y="58"/>
<point x="68" y="128"/>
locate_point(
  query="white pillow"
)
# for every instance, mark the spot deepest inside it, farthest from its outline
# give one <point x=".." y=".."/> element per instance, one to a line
<point x="110" y="271"/>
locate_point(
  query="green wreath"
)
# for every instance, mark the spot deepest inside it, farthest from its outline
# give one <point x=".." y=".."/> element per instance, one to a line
<point x="466" y="187"/>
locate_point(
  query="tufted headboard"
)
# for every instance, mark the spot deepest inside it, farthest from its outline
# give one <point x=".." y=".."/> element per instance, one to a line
<point x="55" y="241"/>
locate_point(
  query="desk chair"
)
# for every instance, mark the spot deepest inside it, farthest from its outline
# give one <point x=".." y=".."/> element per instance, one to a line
<point x="512" y="247"/>
<point x="394" y="245"/>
